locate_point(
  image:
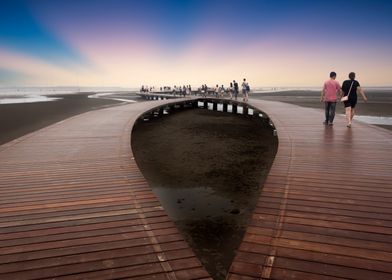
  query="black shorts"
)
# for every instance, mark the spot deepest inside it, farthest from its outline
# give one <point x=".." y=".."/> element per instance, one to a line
<point x="351" y="102"/>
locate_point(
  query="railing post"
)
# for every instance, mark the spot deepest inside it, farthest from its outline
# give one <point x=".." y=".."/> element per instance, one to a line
<point x="245" y="110"/>
<point x="225" y="107"/>
<point x="234" y="108"/>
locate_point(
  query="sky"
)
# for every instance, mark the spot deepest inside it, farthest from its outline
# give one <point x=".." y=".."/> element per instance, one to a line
<point x="129" y="43"/>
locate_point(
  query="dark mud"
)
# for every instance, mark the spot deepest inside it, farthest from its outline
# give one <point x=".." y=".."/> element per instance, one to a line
<point x="207" y="169"/>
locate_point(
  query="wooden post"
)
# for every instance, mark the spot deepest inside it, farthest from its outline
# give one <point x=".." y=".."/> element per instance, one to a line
<point x="245" y="110"/>
<point x="225" y="107"/>
<point x="215" y="106"/>
<point x="234" y="108"/>
<point x="205" y="106"/>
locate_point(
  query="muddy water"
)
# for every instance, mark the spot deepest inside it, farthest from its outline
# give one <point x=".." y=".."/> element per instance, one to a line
<point x="206" y="167"/>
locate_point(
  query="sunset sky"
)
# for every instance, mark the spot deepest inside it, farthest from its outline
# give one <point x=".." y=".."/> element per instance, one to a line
<point x="158" y="42"/>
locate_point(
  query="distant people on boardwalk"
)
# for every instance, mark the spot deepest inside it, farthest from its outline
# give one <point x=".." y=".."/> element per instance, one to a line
<point x="245" y="90"/>
<point x="236" y="89"/>
<point x="217" y="91"/>
<point x="331" y="91"/>
<point x="350" y="89"/>
<point x="203" y="90"/>
<point x="222" y="91"/>
<point x="184" y="89"/>
<point x="231" y="90"/>
<point x="145" y="89"/>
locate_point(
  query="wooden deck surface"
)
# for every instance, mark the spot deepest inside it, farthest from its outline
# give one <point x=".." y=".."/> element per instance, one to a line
<point x="73" y="204"/>
<point x="325" y="211"/>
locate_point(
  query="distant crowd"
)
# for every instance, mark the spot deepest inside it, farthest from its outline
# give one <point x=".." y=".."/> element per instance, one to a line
<point x="231" y="91"/>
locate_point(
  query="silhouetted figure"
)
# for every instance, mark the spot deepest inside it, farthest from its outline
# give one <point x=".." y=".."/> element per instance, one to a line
<point x="236" y="89"/>
<point x="231" y="90"/>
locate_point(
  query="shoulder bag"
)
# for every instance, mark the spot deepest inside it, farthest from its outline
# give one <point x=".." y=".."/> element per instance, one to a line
<point x="345" y="98"/>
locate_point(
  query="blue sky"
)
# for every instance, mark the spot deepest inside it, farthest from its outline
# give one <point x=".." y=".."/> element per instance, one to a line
<point x="127" y="43"/>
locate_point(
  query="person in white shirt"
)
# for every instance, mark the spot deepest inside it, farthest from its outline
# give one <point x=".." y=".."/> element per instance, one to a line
<point x="245" y="90"/>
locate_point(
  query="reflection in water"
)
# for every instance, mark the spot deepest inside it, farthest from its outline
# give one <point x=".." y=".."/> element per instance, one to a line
<point x="348" y="136"/>
<point x="27" y="99"/>
<point x="374" y="120"/>
<point x="328" y="133"/>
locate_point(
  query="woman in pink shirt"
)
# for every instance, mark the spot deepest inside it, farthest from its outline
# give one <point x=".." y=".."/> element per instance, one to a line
<point x="330" y="93"/>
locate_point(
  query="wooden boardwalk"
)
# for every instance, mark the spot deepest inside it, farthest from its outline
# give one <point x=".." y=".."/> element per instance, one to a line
<point x="325" y="211"/>
<point x="73" y="204"/>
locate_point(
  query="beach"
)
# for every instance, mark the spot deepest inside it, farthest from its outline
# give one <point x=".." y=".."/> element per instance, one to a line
<point x="19" y="119"/>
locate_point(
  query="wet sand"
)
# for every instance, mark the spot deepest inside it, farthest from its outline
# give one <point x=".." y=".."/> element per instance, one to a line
<point x="206" y="167"/>
<point x="17" y="120"/>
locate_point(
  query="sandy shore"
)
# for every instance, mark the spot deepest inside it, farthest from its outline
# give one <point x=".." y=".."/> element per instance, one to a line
<point x="206" y="167"/>
<point x="17" y="120"/>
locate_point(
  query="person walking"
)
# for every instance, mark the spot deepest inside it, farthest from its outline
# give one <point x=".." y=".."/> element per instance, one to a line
<point x="329" y="94"/>
<point x="222" y="91"/>
<point x="350" y="89"/>
<point x="231" y="90"/>
<point x="236" y="89"/>
<point x="216" y="91"/>
<point x="245" y="90"/>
